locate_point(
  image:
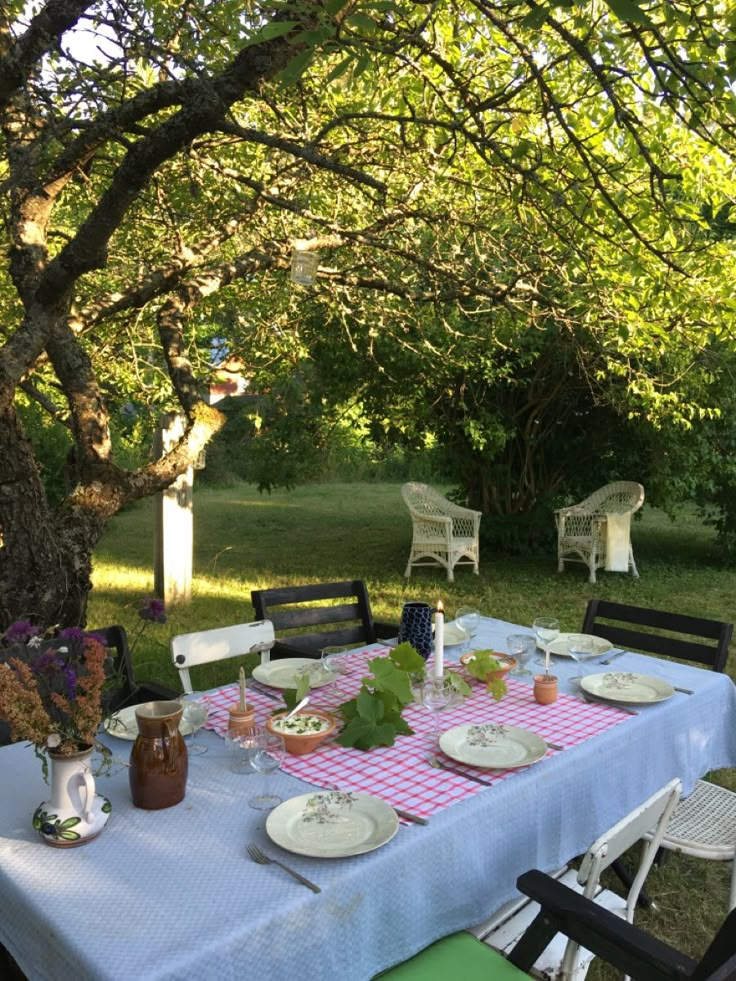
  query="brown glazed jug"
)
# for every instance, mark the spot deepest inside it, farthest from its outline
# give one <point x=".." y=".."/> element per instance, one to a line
<point x="158" y="760"/>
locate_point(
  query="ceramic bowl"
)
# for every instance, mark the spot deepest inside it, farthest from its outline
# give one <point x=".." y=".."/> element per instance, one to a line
<point x="505" y="661"/>
<point x="300" y="743"/>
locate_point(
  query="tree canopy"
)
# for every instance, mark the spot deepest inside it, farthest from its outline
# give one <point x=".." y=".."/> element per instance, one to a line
<point x="498" y="191"/>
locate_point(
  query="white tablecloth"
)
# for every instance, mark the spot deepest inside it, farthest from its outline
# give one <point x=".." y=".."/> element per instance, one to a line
<point x="172" y="895"/>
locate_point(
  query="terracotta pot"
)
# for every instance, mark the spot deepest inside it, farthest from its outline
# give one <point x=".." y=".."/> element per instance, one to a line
<point x="297" y="744"/>
<point x="545" y="688"/>
<point x="158" y="760"/>
<point x="75" y="814"/>
<point x="242" y="722"/>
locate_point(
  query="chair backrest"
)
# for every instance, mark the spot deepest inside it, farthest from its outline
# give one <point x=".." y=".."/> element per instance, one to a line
<point x="624" y="633"/>
<point x="422" y="499"/>
<point x="293" y="608"/>
<point x="205" y="646"/>
<point x="718" y="963"/>
<point x="620" y="497"/>
<point x="650" y="817"/>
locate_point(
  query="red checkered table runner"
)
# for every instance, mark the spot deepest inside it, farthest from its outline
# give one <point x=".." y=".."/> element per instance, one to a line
<point x="400" y="774"/>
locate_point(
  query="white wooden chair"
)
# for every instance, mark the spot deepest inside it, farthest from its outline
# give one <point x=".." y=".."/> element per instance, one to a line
<point x="597" y="531"/>
<point x="443" y="533"/>
<point x="205" y="646"/>
<point x="565" y="960"/>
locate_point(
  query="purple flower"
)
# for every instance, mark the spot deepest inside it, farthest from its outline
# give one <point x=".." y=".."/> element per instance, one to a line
<point x="75" y="635"/>
<point x="20" y="632"/>
<point x="153" y="609"/>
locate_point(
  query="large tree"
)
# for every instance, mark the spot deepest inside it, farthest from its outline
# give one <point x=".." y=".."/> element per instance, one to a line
<point x="156" y="154"/>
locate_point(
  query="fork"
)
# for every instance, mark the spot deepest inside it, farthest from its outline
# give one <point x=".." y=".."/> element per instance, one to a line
<point x="612" y="657"/>
<point x="438" y="764"/>
<point x="262" y="859"/>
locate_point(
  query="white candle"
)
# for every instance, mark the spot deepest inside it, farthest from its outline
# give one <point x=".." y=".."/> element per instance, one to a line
<point x="439" y="641"/>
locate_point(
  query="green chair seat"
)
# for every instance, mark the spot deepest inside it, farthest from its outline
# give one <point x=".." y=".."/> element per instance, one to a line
<point x="458" y="955"/>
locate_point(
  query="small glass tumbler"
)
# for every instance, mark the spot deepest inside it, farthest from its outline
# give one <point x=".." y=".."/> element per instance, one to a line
<point x="240" y="749"/>
<point x="521" y="647"/>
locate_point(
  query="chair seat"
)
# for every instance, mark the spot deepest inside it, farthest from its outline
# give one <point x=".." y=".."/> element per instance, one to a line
<point x="704" y="824"/>
<point x="458" y="955"/>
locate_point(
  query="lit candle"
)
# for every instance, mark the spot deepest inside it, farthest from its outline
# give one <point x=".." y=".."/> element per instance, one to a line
<point x="439" y="641"/>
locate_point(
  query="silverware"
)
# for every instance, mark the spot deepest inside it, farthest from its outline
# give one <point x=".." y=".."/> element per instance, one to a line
<point x="554" y="746"/>
<point x="411" y="817"/>
<point x="612" y="657"/>
<point x="685" y="691"/>
<point x="262" y="859"/>
<point x="433" y="761"/>
<point x="586" y="697"/>
<point x="263" y="691"/>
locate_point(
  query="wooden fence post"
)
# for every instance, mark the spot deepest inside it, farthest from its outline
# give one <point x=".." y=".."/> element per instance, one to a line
<point x="174" y="524"/>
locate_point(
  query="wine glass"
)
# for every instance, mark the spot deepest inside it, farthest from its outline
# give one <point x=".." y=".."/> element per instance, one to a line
<point x="195" y="712"/>
<point x="267" y="757"/>
<point x="334" y="664"/>
<point x="468" y="617"/>
<point x="437" y="695"/>
<point x="521" y="647"/>
<point x="546" y="630"/>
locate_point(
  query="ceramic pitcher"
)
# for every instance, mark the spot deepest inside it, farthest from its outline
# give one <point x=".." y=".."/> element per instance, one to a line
<point x="75" y="814"/>
<point x="158" y="760"/>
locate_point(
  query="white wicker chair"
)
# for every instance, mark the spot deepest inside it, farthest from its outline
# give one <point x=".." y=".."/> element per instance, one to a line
<point x="596" y="529"/>
<point x="443" y="533"/>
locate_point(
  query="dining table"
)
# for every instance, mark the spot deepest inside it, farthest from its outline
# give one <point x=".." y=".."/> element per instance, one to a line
<point x="173" y="894"/>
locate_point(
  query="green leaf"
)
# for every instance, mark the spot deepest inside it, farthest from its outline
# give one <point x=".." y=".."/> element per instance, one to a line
<point x="335" y="6"/>
<point x="362" y="22"/>
<point x="406" y="657"/>
<point x="339" y="70"/>
<point x="628" y="10"/>
<point x="370" y="707"/>
<point x="268" y="32"/>
<point x="535" y="18"/>
<point x="390" y="678"/>
<point x="296" y="67"/>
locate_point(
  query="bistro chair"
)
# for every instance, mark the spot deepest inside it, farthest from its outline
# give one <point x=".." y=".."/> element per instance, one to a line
<point x="340" y="610"/>
<point x="443" y="533"/>
<point x="563" y="957"/>
<point x="206" y="646"/>
<point x="597" y="531"/>
<point x="585" y="923"/>
<point x="704" y="823"/>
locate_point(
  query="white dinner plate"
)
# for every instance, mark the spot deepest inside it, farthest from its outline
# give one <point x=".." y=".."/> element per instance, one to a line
<point x="489" y="745"/>
<point x="561" y="646"/>
<point x="623" y="686"/>
<point x="332" y="824"/>
<point x="285" y="672"/>
<point x="453" y="634"/>
<point x="124" y="725"/>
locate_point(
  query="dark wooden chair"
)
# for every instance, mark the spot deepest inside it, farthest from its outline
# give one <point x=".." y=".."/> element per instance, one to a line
<point x="632" y="628"/>
<point x="128" y="691"/>
<point x="564" y="911"/>
<point x="296" y="610"/>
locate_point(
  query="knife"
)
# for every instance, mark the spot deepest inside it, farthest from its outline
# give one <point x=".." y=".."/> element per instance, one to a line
<point x="262" y="691"/>
<point x="600" y="701"/>
<point x="685" y="691"/>
<point x="411" y="817"/>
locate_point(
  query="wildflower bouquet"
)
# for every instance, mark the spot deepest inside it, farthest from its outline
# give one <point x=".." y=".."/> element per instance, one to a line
<point x="51" y="691"/>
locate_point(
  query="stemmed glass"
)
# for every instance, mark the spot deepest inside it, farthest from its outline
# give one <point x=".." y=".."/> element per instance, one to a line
<point x="267" y="757"/>
<point x="334" y="664"/>
<point x="468" y="617"/>
<point x="547" y="630"/>
<point x="437" y="695"/>
<point x="195" y="712"/>
<point x="521" y="647"/>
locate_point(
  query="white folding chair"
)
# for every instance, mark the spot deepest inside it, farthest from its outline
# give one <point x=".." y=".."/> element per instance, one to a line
<point x="564" y="959"/>
<point x="204" y="646"/>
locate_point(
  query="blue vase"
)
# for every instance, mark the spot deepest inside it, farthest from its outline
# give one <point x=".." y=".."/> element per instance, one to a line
<point x="416" y="627"/>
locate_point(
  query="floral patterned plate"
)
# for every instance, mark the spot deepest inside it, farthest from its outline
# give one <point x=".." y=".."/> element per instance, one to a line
<point x="623" y="686"/>
<point x="332" y="824"/>
<point x="124" y="724"/>
<point x="496" y="746"/>
<point x="285" y="672"/>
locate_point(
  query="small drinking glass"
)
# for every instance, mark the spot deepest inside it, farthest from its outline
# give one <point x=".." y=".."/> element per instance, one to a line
<point x="580" y="647"/>
<point x="334" y="664"/>
<point x="521" y="647"/>
<point x="468" y="617"/>
<point x="437" y="695"/>
<point x="268" y="756"/>
<point x="547" y="630"/>
<point x="195" y="712"/>
<point x="240" y="748"/>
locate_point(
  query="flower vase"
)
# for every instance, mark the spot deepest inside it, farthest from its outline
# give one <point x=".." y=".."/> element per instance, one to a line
<point x="75" y="814"/>
<point x="416" y="627"/>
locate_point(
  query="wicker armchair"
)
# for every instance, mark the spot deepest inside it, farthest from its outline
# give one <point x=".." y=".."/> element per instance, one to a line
<point x="596" y="531"/>
<point x="444" y="533"/>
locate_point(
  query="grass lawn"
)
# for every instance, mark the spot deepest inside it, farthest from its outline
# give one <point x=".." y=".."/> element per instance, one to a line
<point x="244" y="540"/>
